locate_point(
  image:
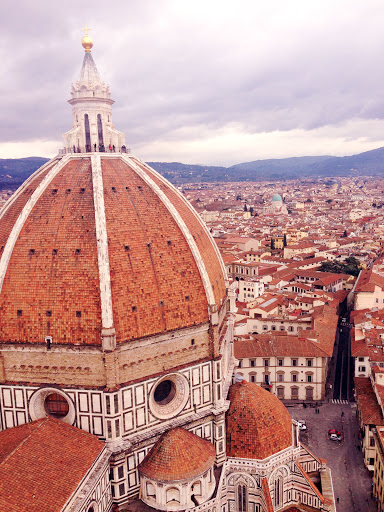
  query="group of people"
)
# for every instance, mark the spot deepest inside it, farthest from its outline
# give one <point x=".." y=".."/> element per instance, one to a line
<point x="101" y="148"/>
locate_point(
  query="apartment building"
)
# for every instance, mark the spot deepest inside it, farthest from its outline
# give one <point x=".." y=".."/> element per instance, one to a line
<point x="291" y="367"/>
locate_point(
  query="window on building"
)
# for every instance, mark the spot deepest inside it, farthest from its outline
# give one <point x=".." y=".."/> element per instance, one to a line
<point x="290" y="328"/>
<point x="265" y="327"/>
<point x="361" y="359"/>
<point x="294" y="393"/>
<point x="282" y="328"/>
<point x="266" y="378"/>
<point x="252" y="377"/>
<point x="242" y="498"/>
<point x="309" y="362"/>
<point x="56" y="405"/>
<point x="280" y="362"/>
<point x="252" y="363"/>
<point x="240" y="363"/>
<point x="280" y="392"/>
<point x="273" y="328"/>
<point x="361" y="368"/>
<point x="372" y="441"/>
<point x="280" y="377"/>
<point x="309" y="377"/>
<point x="266" y="362"/>
<point x="371" y="461"/>
<point x="278" y="491"/>
<point x="294" y="377"/>
<point x="294" y="362"/>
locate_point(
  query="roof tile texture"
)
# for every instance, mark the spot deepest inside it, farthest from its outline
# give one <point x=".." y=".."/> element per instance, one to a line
<point x="155" y="281"/>
<point x="62" y="283"/>
<point x="258" y="424"/>
<point x="153" y="272"/>
<point x="42" y="463"/>
<point x="195" y="225"/>
<point x="178" y="455"/>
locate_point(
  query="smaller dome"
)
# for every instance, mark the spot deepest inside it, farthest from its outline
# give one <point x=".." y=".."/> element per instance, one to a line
<point x="258" y="424"/>
<point x="277" y="197"/>
<point x="178" y="455"/>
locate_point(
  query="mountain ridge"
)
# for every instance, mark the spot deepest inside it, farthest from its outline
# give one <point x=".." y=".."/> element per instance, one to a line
<point x="14" y="171"/>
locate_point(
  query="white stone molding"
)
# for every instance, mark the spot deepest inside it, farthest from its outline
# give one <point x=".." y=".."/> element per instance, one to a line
<point x="214" y="245"/>
<point x="108" y="333"/>
<point x="181" y="224"/>
<point x="18" y="226"/>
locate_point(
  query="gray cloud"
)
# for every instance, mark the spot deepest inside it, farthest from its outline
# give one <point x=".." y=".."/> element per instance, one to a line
<point x="178" y="68"/>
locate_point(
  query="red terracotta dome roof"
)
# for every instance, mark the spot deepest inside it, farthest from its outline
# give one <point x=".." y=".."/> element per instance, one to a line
<point x="258" y="424"/>
<point x="178" y="455"/>
<point x="103" y="241"/>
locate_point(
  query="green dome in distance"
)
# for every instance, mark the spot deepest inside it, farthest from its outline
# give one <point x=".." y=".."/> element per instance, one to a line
<point x="277" y="197"/>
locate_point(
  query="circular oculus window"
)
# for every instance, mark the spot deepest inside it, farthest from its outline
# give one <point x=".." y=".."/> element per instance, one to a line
<point x="169" y="396"/>
<point x="51" y="402"/>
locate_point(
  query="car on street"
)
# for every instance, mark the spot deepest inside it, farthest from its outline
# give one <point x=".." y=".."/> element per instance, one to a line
<point x="334" y="431"/>
<point x="335" y="437"/>
<point x="301" y="424"/>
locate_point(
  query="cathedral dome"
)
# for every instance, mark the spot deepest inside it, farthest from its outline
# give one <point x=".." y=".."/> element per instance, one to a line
<point x="258" y="424"/>
<point x="102" y="241"/>
<point x="178" y="455"/>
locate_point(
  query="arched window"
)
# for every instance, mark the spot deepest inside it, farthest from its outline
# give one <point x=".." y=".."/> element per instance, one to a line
<point x="87" y="133"/>
<point x="278" y="486"/>
<point x="173" y="494"/>
<point x="151" y="491"/>
<point x="242" y="498"/>
<point x="100" y="132"/>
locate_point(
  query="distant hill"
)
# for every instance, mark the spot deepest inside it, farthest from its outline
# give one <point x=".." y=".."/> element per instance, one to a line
<point x="14" y="171"/>
<point x="370" y="163"/>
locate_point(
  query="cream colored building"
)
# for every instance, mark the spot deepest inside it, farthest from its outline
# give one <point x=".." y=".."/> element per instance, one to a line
<point x="290" y="367"/>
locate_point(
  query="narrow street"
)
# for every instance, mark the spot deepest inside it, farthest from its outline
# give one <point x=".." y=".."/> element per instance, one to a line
<point x="342" y="374"/>
<point x="351" y="480"/>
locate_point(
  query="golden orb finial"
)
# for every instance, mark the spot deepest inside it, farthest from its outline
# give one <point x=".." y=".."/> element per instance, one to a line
<point x="87" y="42"/>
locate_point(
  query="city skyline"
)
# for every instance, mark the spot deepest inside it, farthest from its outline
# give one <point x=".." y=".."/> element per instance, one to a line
<point x="204" y="83"/>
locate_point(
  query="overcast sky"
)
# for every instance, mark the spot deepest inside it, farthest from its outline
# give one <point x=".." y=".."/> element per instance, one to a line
<point x="200" y="81"/>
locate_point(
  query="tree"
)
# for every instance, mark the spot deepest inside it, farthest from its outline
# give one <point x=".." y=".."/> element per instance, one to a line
<point x="345" y="234"/>
<point x="350" y="266"/>
<point x="272" y="244"/>
<point x="285" y="240"/>
<point x="251" y="210"/>
<point x="245" y="208"/>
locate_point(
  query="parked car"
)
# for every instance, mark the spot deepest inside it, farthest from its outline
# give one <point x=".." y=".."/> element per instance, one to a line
<point x="301" y="424"/>
<point x="335" y="437"/>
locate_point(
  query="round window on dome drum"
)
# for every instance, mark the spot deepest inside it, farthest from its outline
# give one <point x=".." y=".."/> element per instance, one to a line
<point x="56" y="405"/>
<point x="164" y="392"/>
<point x="168" y="396"/>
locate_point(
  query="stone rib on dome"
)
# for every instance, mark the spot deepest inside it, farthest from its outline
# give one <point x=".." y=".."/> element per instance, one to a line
<point x="158" y="283"/>
<point x="178" y="455"/>
<point x="258" y="424"/>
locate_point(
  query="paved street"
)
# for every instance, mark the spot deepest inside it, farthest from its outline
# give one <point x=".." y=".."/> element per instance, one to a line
<point x="351" y="481"/>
